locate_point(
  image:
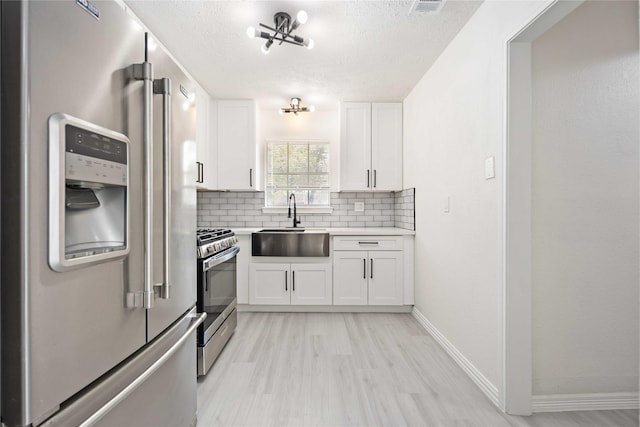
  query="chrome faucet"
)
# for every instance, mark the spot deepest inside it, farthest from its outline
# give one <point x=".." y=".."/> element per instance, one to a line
<point x="295" y="220"/>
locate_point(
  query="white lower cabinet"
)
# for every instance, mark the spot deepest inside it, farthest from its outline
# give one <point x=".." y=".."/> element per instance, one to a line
<point x="367" y="277"/>
<point x="385" y="278"/>
<point x="296" y="284"/>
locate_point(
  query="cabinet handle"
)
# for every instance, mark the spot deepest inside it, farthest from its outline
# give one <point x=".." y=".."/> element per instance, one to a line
<point x="367" y="243"/>
<point x="293" y="281"/>
<point x="368" y="177"/>
<point x="200" y="172"/>
<point x="285" y="282"/>
<point x="371" y="269"/>
<point x="250" y="177"/>
<point x="364" y="268"/>
<point x="375" y="178"/>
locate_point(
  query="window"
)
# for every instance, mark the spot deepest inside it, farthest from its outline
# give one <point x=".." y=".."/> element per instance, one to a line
<point x="301" y="168"/>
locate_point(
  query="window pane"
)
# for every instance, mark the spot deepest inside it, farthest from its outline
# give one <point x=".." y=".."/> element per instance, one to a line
<point x="319" y="180"/>
<point x="277" y="180"/>
<point x="318" y="157"/>
<point x="319" y="197"/>
<point x="298" y="158"/>
<point x="276" y="197"/>
<point x="302" y="197"/>
<point x="298" y="181"/>
<point x="277" y="158"/>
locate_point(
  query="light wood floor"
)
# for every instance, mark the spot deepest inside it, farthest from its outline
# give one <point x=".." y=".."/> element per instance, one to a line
<point x="348" y="369"/>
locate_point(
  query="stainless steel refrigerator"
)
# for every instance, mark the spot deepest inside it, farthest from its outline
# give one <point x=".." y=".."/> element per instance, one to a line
<point x="98" y="220"/>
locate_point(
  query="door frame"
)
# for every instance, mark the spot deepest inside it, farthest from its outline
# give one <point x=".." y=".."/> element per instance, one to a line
<point x="516" y="374"/>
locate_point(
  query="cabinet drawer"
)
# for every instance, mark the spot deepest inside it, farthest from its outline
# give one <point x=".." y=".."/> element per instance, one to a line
<point x="367" y="243"/>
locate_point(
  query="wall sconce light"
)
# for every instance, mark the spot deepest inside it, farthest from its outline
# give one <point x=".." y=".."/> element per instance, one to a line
<point x="296" y="108"/>
<point x="282" y="31"/>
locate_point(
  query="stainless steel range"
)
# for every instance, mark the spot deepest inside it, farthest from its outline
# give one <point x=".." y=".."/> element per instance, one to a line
<point x="216" y="292"/>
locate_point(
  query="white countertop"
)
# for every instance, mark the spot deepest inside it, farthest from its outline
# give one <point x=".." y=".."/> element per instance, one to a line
<point x="343" y="231"/>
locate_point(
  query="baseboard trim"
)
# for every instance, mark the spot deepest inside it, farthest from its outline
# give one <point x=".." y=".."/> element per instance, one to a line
<point x="324" y="308"/>
<point x="490" y="390"/>
<point x="584" y="402"/>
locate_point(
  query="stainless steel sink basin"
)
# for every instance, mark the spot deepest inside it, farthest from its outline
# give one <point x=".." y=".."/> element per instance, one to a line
<point x="290" y="242"/>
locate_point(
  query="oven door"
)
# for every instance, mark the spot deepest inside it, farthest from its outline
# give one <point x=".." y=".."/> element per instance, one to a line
<point x="216" y="290"/>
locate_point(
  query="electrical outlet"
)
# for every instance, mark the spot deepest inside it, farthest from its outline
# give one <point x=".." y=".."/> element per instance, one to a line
<point x="359" y="207"/>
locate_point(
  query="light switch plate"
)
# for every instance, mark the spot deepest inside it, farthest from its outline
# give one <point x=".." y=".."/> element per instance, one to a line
<point x="359" y="207"/>
<point x="489" y="168"/>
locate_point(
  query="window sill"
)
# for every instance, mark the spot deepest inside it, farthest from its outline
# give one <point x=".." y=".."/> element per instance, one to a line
<point x="300" y="209"/>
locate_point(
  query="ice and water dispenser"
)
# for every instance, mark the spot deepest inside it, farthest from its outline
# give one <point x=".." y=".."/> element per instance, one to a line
<point x="88" y="193"/>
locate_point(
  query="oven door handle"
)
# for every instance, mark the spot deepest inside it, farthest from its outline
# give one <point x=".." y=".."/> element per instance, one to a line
<point x="218" y="259"/>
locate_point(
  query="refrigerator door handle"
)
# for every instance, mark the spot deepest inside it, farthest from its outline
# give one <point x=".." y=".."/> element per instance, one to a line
<point x="163" y="87"/>
<point x="144" y="72"/>
<point x="197" y="319"/>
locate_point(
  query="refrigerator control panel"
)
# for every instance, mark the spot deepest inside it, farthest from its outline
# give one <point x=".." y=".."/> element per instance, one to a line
<point x="84" y="169"/>
<point x="94" y="157"/>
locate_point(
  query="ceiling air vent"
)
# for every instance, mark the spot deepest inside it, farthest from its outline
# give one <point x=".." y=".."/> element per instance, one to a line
<point x="426" y="6"/>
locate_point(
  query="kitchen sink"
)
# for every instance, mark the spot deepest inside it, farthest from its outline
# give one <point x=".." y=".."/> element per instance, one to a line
<point x="290" y="242"/>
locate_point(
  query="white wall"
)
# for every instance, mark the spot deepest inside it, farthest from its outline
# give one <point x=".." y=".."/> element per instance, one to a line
<point x="453" y="121"/>
<point x="319" y="125"/>
<point x="585" y="191"/>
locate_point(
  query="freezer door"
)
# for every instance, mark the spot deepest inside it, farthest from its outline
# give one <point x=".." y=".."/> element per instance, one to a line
<point x="62" y="330"/>
<point x="179" y="120"/>
<point x="153" y="388"/>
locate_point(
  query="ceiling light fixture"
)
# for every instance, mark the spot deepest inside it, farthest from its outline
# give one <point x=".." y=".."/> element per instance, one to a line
<point x="282" y="31"/>
<point x="296" y="108"/>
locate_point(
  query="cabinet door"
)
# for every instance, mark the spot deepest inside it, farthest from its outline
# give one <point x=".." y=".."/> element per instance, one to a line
<point x="205" y="137"/>
<point x="386" y="146"/>
<point x="385" y="277"/>
<point x="202" y="135"/>
<point x="236" y="145"/>
<point x="311" y="284"/>
<point x="355" y="146"/>
<point x="349" y="277"/>
<point x="269" y="284"/>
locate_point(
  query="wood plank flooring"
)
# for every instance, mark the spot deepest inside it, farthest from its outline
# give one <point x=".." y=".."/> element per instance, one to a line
<point x="353" y="369"/>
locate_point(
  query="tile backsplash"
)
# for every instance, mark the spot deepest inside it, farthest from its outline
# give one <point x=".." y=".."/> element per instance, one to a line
<point x="244" y="209"/>
<point x="405" y="209"/>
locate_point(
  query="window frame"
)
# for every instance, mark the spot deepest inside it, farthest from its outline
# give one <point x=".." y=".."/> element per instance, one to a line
<point x="305" y="208"/>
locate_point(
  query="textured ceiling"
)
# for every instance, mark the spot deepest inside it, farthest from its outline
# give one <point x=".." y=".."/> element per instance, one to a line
<point x="364" y="50"/>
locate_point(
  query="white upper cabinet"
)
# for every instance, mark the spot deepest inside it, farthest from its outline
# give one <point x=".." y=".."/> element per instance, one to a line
<point x="355" y="146"/>
<point x="205" y="147"/>
<point x="236" y="141"/>
<point x="386" y="146"/>
<point x="371" y="146"/>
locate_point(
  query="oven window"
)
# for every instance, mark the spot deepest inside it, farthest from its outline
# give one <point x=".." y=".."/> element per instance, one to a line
<point x="219" y="288"/>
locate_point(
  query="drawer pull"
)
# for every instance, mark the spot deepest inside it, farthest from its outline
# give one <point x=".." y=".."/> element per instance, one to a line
<point x="368" y="243"/>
